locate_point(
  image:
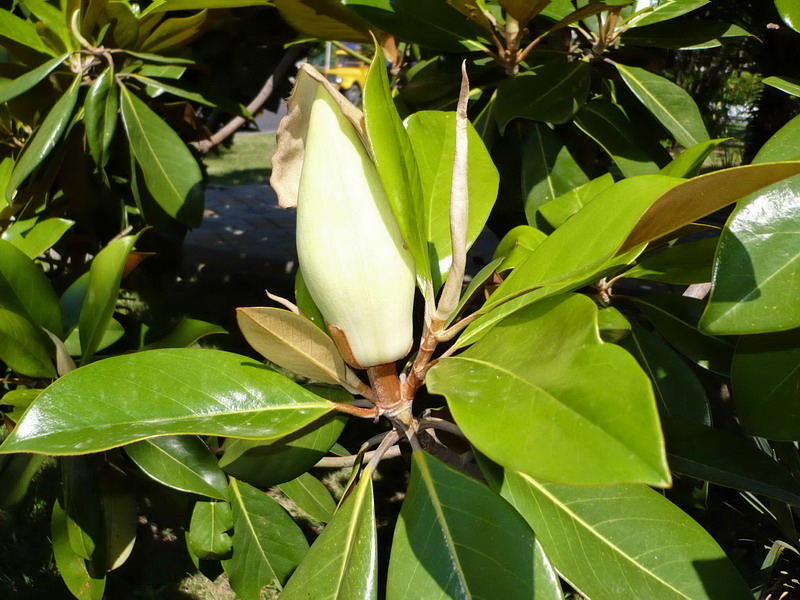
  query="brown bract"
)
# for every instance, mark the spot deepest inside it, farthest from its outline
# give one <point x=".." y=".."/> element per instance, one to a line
<point x="287" y="162"/>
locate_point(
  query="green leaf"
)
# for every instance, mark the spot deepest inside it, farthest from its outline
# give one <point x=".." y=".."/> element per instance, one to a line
<point x="267" y="543"/>
<point x="548" y="170"/>
<point x="21" y="398"/>
<point x="158" y="58"/>
<point x="157" y="86"/>
<point x="766" y="380"/>
<point x="181" y="462"/>
<point x="175" y="33"/>
<point x="784" y="145"/>
<point x="608" y="125"/>
<point x="24" y="347"/>
<point x="163" y="392"/>
<point x="160" y="6"/>
<point x="342" y="562"/>
<point x="208" y="535"/>
<point x="612" y="325"/>
<point x="676" y="319"/>
<point x="785" y="84"/>
<point x="685" y="34"/>
<point x="432" y="137"/>
<point x="171" y="173"/>
<point x="305" y="302"/>
<point x="21" y="31"/>
<point x="311" y="496"/>
<point x="324" y="19"/>
<point x="624" y="542"/>
<point x="72" y="567"/>
<point x="678" y="390"/>
<point x="100" y="115"/>
<point x="38" y="236"/>
<point x="790" y="13"/>
<point x="292" y="342"/>
<point x="758" y="265"/>
<point x="544" y="369"/>
<point x="16" y="473"/>
<point x="186" y="334"/>
<point x="727" y="459"/>
<point x="395" y="161"/>
<point x="83" y="505"/>
<point x="554" y="93"/>
<point x="105" y="275"/>
<point x="457" y="539"/>
<point x="516" y="245"/>
<point x="270" y="462"/>
<point x="24" y="82"/>
<point x="558" y="210"/>
<point x="663" y="10"/>
<point x="47" y="135"/>
<point x="111" y="335"/>
<point x="688" y="163"/>
<point x="669" y="103"/>
<point x="682" y="264"/>
<point x="477" y="282"/>
<point x="25" y="290"/>
<point x="120" y="518"/>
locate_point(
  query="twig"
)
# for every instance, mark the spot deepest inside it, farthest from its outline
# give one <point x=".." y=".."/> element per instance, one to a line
<point x="348" y="409"/>
<point x="339" y="462"/>
<point x="441" y="424"/>
<point x="353" y="53"/>
<point x="381" y="451"/>
<point x="291" y="56"/>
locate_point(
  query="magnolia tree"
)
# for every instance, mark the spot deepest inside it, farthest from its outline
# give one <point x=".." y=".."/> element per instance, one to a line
<point x="554" y="428"/>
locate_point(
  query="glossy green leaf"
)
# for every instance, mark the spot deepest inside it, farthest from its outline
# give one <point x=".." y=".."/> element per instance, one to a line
<point x="682" y="264"/>
<point x="208" y="536"/>
<point x="185" y="334"/>
<point x="16" y="473"/>
<point x="432" y="137"/>
<point x="182" y="462"/>
<point x="663" y="10"/>
<point x="24" y="82"/>
<point x="395" y="161"/>
<point x="553" y="93"/>
<point x="766" y="380"/>
<point x="175" y="33"/>
<point x="789" y="85"/>
<point x="24" y="347"/>
<point x="37" y="237"/>
<point x="548" y="170"/>
<point x="270" y="462"/>
<point x="608" y="125"/>
<point x="758" y="265"/>
<point x="44" y="139"/>
<point x="678" y="390"/>
<point x="20" y="399"/>
<point x="516" y="245"/>
<point x="727" y="459"/>
<point x="105" y="275"/>
<point x="342" y="562"/>
<point x="684" y="34"/>
<point x="545" y="369"/>
<point x="676" y="319"/>
<point x="311" y="496"/>
<point x="25" y="290"/>
<point x="559" y="209"/>
<point x="111" y="335"/>
<point x="21" y="31"/>
<point x="325" y="20"/>
<point x="171" y="173"/>
<point x="668" y="102"/>
<point x="612" y="325"/>
<point x="624" y="542"/>
<point x="100" y="115"/>
<point x="790" y="13"/>
<point x="455" y="538"/>
<point x="72" y="567"/>
<point x="689" y="162"/>
<point x="267" y="543"/>
<point x="784" y="145"/>
<point x="128" y="398"/>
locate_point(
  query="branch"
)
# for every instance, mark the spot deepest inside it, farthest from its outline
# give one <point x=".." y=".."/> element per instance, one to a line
<point x="291" y="56"/>
<point x="339" y="462"/>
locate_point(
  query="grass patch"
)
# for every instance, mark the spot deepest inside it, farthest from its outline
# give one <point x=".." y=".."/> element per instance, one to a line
<point x="247" y="161"/>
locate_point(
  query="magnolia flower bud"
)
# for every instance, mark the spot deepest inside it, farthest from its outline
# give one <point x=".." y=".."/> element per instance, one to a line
<point x="352" y="255"/>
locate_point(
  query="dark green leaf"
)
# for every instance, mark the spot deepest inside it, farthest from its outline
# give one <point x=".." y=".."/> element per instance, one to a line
<point x="689" y="162"/>
<point x="544" y="369"/>
<point x="208" y="535"/>
<point x="38" y="236"/>
<point x="324" y="19"/>
<point x="660" y="10"/>
<point x="170" y="171"/>
<point x="24" y="347"/>
<point x="44" y="139"/>
<point x="676" y="319"/>
<point x="167" y="5"/>
<point x="163" y="392"/>
<point x="71" y="566"/>
<point x="457" y="539"/>
<point x="267" y="544"/>
<point x="100" y="115"/>
<point x="554" y="93"/>
<point x="23" y="83"/>
<point x="311" y="496"/>
<point x="100" y="301"/>
<point x="342" y="562"/>
<point x="182" y="462"/>
<point x="83" y="505"/>
<point x="785" y="84"/>
<point x="16" y="473"/>
<point x="682" y="264"/>
<point x="175" y="33"/>
<point x="21" y="31"/>
<point x="684" y="34"/>
<point x="678" y="390"/>
<point x="623" y="542"/>
<point x="186" y="333"/>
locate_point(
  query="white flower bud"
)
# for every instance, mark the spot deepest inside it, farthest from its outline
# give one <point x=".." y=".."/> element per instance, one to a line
<point x="352" y="255"/>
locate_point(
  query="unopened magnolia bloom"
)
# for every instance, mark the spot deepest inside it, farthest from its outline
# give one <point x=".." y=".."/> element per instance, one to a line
<point x="351" y="253"/>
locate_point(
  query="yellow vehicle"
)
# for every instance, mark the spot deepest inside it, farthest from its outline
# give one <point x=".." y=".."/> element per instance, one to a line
<point x="348" y="74"/>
